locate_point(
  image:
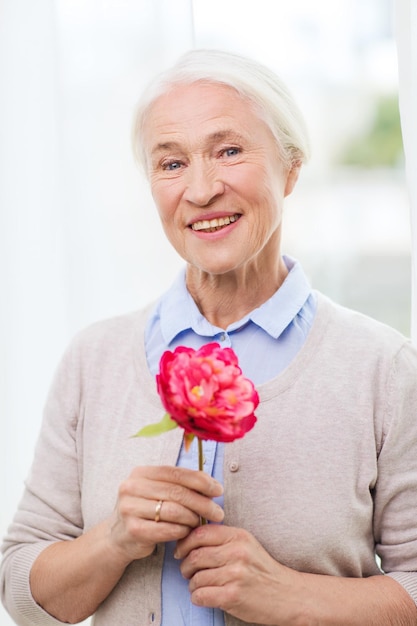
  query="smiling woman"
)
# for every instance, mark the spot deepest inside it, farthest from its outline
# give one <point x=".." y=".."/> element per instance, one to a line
<point x="212" y="157"/>
<point x="109" y="525"/>
<point x="204" y="132"/>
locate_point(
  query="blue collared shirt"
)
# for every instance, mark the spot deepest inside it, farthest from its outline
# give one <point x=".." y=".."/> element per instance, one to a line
<point x="278" y="328"/>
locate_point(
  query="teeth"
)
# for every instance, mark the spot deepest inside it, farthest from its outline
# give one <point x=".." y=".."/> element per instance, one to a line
<point x="214" y="224"/>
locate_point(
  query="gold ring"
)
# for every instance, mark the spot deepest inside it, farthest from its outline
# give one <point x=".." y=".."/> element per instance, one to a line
<point x="158" y="510"/>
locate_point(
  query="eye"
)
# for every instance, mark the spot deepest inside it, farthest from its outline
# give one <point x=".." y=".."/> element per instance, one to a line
<point x="171" y="166"/>
<point x="231" y="152"/>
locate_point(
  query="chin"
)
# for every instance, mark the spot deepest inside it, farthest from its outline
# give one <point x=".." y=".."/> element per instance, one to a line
<point x="214" y="269"/>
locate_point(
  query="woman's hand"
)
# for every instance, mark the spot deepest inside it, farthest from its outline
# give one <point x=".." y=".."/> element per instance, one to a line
<point x="229" y="569"/>
<point x="140" y="521"/>
<point x="70" y="579"/>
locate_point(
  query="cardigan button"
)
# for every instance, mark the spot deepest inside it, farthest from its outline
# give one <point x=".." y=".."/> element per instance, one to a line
<point x="234" y="466"/>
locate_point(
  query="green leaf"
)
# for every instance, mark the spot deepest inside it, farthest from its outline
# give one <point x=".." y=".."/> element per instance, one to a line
<point x="152" y="430"/>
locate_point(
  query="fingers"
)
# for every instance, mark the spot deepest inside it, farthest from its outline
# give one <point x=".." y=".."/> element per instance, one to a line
<point x="152" y="511"/>
<point x="227" y="568"/>
<point x="200" y="482"/>
<point x="186" y="494"/>
<point x="159" y="504"/>
<point x="209" y="547"/>
<point x="171" y="512"/>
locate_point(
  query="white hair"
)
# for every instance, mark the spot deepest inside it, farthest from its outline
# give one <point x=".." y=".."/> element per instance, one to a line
<point x="252" y="80"/>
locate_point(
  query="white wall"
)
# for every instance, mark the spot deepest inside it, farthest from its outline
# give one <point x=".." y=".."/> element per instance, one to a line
<point x="79" y="237"/>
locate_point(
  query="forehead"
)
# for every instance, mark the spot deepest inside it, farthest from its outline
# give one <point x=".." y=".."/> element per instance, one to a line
<point x="200" y="108"/>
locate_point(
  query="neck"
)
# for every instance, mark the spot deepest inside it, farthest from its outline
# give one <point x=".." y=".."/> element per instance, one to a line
<point x="226" y="298"/>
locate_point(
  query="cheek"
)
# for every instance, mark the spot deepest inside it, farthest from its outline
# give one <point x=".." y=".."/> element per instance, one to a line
<point x="166" y="199"/>
<point x="267" y="200"/>
<point x="241" y="180"/>
<point x="256" y="182"/>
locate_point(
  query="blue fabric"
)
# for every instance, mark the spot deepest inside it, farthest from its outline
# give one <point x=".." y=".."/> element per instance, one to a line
<point x="277" y="328"/>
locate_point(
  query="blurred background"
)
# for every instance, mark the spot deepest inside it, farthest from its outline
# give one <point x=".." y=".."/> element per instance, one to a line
<point x="348" y="220"/>
<point x="79" y="236"/>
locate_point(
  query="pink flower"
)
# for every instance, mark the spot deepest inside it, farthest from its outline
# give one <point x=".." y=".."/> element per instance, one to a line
<point x="205" y="392"/>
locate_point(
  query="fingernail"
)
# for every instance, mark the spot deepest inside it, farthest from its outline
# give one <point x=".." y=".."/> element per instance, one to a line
<point x="219" y="513"/>
<point x="176" y="555"/>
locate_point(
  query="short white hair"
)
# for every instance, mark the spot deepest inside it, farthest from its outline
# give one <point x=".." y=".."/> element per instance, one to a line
<point x="251" y="79"/>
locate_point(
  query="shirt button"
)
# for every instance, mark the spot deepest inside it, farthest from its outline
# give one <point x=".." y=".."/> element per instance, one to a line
<point x="223" y="337"/>
<point x="234" y="466"/>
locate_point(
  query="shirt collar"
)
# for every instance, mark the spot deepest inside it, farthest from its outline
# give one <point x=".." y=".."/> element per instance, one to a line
<point x="179" y="312"/>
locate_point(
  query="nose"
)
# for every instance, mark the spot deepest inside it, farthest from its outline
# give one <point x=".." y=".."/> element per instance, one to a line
<point x="203" y="184"/>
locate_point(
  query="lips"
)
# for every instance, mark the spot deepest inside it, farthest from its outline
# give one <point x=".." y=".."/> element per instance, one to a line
<point x="210" y="226"/>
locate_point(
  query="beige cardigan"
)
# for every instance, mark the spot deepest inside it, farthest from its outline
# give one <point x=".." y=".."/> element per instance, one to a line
<point x="327" y="477"/>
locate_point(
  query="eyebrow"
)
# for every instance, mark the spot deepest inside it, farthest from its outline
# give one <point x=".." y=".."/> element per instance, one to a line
<point x="219" y="135"/>
<point x="161" y="147"/>
<point x="229" y="134"/>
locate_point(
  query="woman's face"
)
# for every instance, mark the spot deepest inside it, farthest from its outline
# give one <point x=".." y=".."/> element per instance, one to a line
<point x="216" y="178"/>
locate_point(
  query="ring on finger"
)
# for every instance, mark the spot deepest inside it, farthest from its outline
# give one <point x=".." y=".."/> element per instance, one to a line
<point x="158" y="510"/>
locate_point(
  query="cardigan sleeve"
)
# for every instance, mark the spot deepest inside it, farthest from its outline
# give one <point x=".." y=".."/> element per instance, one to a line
<point x="50" y="508"/>
<point x="395" y="513"/>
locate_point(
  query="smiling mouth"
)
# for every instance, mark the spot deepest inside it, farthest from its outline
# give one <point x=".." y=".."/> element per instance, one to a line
<point x="210" y="226"/>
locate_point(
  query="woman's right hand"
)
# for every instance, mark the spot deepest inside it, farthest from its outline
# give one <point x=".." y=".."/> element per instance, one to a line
<point x="70" y="579"/>
<point x="186" y="496"/>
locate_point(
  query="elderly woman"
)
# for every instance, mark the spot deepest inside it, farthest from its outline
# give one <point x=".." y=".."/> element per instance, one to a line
<point x="299" y="508"/>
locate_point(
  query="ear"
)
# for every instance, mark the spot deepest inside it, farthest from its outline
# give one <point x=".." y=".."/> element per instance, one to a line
<point x="292" y="177"/>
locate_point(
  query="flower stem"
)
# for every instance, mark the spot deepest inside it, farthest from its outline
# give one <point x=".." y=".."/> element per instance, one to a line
<point x="200" y="467"/>
<point x="200" y="455"/>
